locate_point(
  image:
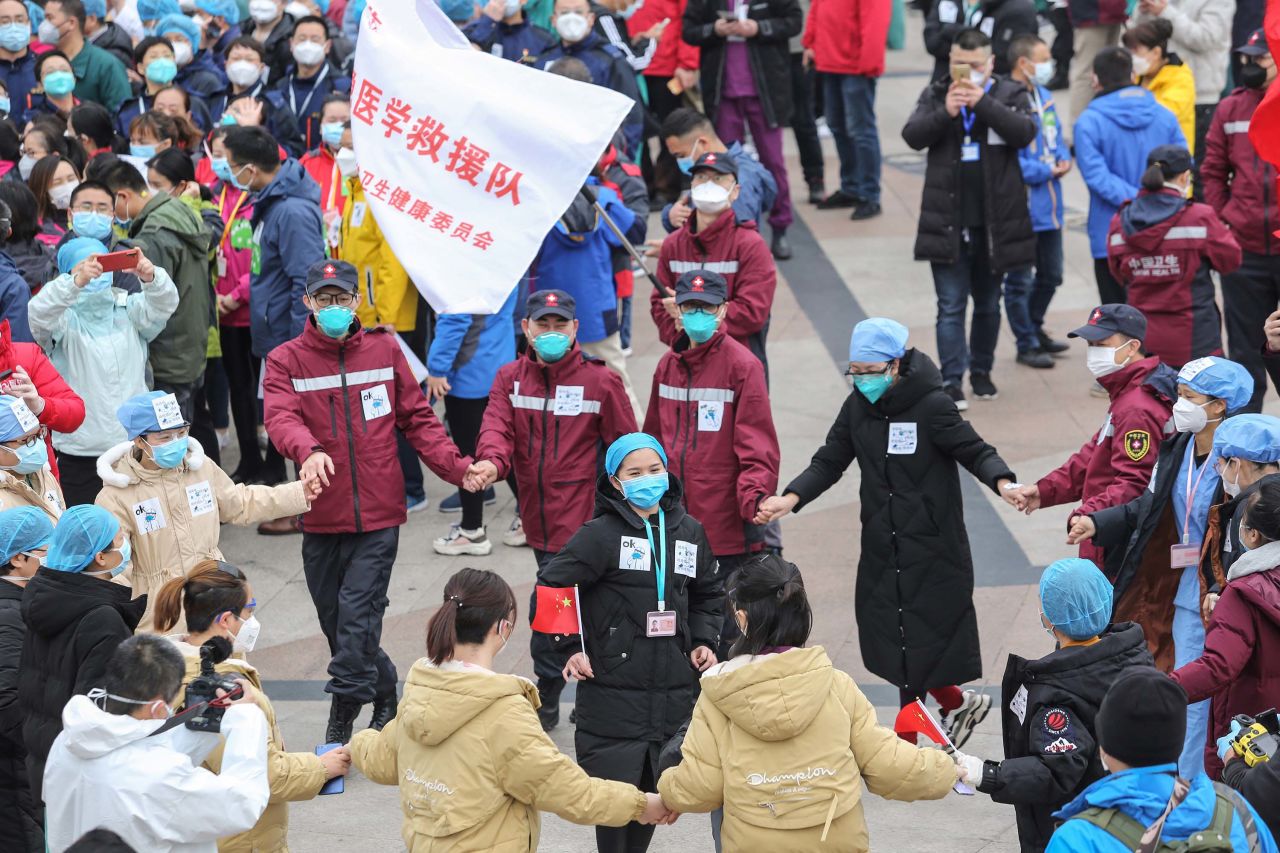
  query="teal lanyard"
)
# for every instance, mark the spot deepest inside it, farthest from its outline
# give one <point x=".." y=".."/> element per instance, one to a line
<point x="659" y="557"/>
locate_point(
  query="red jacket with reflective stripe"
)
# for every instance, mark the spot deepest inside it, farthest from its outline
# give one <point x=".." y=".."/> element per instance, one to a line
<point x="346" y="398"/>
<point x="551" y="423"/>
<point x="63" y="409"/>
<point x="710" y="409"/>
<point x="1238" y="183"/>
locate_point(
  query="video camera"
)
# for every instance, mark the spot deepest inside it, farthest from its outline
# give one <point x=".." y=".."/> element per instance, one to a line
<point x="1258" y="738"/>
<point x="203" y="689"/>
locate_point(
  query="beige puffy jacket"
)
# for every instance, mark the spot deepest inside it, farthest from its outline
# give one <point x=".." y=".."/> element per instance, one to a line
<point x="172" y="516"/>
<point x="786" y="742"/>
<point x="291" y="776"/>
<point x="40" y="489"/>
<point x="475" y="767"/>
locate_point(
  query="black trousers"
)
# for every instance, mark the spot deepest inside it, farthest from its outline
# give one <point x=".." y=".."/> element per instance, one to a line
<point x="196" y="411"/>
<point x="242" y="368"/>
<point x="347" y="576"/>
<point x="1204" y="116"/>
<point x="465" y="416"/>
<point x="803" y="122"/>
<point x="1109" y="289"/>
<point x="1248" y="295"/>
<point x="1063" y="47"/>
<point x="661" y="174"/>
<point x="78" y="476"/>
<point x="633" y="761"/>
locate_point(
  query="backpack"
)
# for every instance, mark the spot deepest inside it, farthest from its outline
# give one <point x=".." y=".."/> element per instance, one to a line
<point x="1216" y="838"/>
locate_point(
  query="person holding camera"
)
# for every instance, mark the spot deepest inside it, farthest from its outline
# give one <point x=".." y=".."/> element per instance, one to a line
<point x="217" y="602"/>
<point x="120" y="764"/>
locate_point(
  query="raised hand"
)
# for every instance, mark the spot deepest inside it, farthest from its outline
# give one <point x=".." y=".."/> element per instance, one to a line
<point x="20" y="385"/>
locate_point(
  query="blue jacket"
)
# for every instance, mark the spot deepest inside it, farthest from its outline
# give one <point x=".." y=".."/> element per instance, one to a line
<point x="522" y="42"/>
<point x="14" y="295"/>
<point x="1044" y="191"/>
<point x="138" y="105"/>
<point x="19" y="78"/>
<point x="288" y="238"/>
<point x="468" y="349"/>
<point x="757" y="190"/>
<point x="1142" y="793"/>
<point x="307" y="110"/>
<point x="277" y="118"/>
<point x="202" y="77"/>
<point x="1113" y="137"/>
<point x="608" y="68"/>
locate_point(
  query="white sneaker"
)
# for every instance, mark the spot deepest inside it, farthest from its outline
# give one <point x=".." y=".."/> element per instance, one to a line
<point x="461" y="542"/>
<point x="514" y="537"/>
<point x="626" y="352"/>
<point x="966" y="718"/>
<point x="224" y="437"/>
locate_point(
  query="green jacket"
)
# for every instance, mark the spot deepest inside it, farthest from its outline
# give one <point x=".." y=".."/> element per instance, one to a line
<point x="172" y="236"/>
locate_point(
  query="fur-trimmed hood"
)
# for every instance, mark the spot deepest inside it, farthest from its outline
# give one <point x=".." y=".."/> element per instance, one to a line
<point x="117" y="467"/>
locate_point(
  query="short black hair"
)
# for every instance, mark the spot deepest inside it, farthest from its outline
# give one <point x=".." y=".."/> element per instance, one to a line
<point x="253" y="145"/>
<point x="10" y="141"/>
<point x="684" y="121"/>
<point x="143" y="667"/>
<point x="311" y="19"/>
<point x="72" y="9"/>
<point x="146" y="44"/>
<point x="121" y="175"/>
<point x="22" y="207"/>
<point x="972" y="39"/>
<point x="175" y="164"/>
<point x="100" y="841"/>
<point x="98" y="166"/>
<point x="1022" y="47"/>
<point x="251" y="43"/>
<point x="45" y="57"/>
<point x="573" y="68"/>
<point x="771" y="591"/>
<point x="87" y="185"/>
<point x="1113" y="66"/>
<point x="1262" y="512"/>
<point x="93" y="120"/>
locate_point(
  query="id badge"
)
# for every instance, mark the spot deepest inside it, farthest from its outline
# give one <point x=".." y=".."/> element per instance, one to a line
<point x="1182" y="556"/>
<point x="222" y="264"/>
<point x="970" y="152"/>
<point x="660" y="623"/>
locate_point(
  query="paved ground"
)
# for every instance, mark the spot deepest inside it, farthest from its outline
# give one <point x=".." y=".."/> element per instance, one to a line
<point x="852" y="270"/>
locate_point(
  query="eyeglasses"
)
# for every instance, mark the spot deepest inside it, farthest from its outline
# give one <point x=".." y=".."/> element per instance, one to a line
<point x="697" y="308"/>
<point x="166" y="436"/>
<point x="29" y="441"/>
<point x="90" y="207"/>
<point x="324" y="300"/>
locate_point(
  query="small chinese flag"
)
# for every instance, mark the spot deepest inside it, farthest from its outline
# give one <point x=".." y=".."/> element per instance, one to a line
<point x="557" y="611"/>
<point x="916" y="718"/>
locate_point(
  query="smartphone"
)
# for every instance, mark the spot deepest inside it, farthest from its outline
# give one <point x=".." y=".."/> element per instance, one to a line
<point x="118" y="261"/>
<point x="334" y="785"/>
<point x="960" y="73"/>
<point x="726" y="15"/>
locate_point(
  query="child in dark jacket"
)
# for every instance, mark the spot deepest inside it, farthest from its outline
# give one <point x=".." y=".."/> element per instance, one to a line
<point x="1050" y="704"/>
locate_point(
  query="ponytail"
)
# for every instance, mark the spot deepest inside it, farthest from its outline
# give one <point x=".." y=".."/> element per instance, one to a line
<point x="208" y="590"/>
<point x="1153" y="178"/>
<point x="771" y="592"/>
<point x="1263" y="512"/>
<point x="474" y="601"/>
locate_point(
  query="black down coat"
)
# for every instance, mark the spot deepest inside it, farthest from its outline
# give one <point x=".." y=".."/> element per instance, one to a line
<point x="914" y="594"/>
<point x="1048" y="715"/>
<point x="1004" y="124"/>
<point x="74" y="624"/>
<point x="20" y="824"/>
<point x="769" y="52"/>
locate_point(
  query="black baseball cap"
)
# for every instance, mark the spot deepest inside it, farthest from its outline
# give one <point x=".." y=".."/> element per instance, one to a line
<point x="544" y="302"/>
<point x="701" y="286"/>
<point x="332" y="273"/>
<point x="716" y="161"/>
<point x="1115" y="318"/>
<point x="1173" y="159"/>
<point x="1255" y="45"/>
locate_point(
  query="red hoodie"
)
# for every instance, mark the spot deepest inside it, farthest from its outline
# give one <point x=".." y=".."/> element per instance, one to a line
<point x="1238" y="183"/>
<point x="710" y="409"/>
<point x="63" y="409"/>
<point x="848" y="36"/>
<point x="672" y="51"/>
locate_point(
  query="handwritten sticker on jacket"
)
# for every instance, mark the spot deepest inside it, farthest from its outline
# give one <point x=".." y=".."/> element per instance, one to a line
<point x="569" y="399"/>
<point x="376" y="403"/>
<point x="902" y="438"/>
<point x="633" y="554"/>
<point x="686" y="558"/>
<point x="200" y="498"/>
<point x="710" y="415"/>
<point x="148" y="517"/>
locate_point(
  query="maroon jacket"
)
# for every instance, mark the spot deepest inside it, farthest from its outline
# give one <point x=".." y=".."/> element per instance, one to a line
<point x="1238" y="183"/>
<point x="710" y="409"/>
<point x="1114" y="466"/>
<point x="736" y="251"/>
<point x="1240" y="667"/>
<point x="346" y="398"/>
<point x="1157" y="248"/>
<point x="551" y="424"/>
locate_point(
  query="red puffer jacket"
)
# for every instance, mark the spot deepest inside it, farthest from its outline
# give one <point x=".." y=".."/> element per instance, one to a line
<point x="1238" y="183"/>
<point x="346" y="398"/>
<point x="63" y="409"/>
<point x="672" y="51"/>
<point x="848" y="36"/>
<point x="1240" y="667"/>
<point x="551" y="423"/>
<point x="736" y="251"/>
<point x="710" y="409"/>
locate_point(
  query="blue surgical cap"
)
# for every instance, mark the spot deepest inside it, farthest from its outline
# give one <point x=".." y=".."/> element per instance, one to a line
<point x="153" y="10"/>
<point x="83" y="532"/>
<point x="23" y="528"/>
<point x="630" y="442"/>
<point x="182" y="25"/>
<point x="878" y="339"/>
<point x="36" y="14"/>
<point x="324" y="6"/>
<point x="76" y="250"/>
<point x="1075" y="597"/>
<point x="458" y="11"/>
<point x="1252" y="437"/>
<point x="96" y="8"/>
<point x="1218" y="377"/>
<point x="15" y="418"/>
<point x="138" y="415"/>
<point x="225" y="9"/>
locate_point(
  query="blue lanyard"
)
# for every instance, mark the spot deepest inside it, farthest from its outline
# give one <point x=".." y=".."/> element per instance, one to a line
<point x="659" y="556"/>
<point x="969" y="117"/>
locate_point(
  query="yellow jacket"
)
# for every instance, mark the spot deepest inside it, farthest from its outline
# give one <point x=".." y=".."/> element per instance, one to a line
<point x="172" y="517"/>
<point x="785" y="743"/>
<point x="475" y="767"/>
<point x="291" y="776"/>
<point x="40" y="489"/>
<point x="395" y="299"/>
<point x="1175" y="89"/>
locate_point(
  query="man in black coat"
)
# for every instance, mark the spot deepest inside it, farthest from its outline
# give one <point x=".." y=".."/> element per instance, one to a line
<point x="913" y="599"/>
<point x="1260" y="785"/>
<point x="1002" y="21"/>
<point x="974" y="221"/>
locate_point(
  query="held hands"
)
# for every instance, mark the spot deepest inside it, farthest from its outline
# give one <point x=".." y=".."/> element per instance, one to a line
<point x="772" y="508"/>
<point x="20" y="385"/>
<point x="316" y="466"/>
<point x="337" y="762"/>
<point x="702" y="658"/>
<point x="480" y="475"/>
<point x="311" y="488"/>
<point x="438" y="386"/>
<point x="968" y="768"/>
<point x="1022" y="498"/>
<point x="578" y="668"/>
<point x="1081" y="528"/>
<point x="656" y="813"/>
<point x="1206" y="606"/>
<point x="1272" y="330"/>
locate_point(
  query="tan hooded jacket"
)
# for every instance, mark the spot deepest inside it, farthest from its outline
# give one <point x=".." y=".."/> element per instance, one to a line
<point x="40" y="489"/>
<point x="786" y="743"/>
<point x="475" y="767"/>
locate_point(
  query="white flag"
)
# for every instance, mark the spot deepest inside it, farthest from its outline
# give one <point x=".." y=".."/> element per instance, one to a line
<point x="467" y="160"/>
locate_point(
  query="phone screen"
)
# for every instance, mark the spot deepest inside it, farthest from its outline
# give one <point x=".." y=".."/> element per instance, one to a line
<point x="334" y="785"/>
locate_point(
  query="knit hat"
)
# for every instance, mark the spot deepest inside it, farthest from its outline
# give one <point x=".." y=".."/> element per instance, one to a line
<point x="1143" y="718"/>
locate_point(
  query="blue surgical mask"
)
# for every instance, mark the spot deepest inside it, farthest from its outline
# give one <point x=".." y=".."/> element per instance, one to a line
<point x="700" y="325"/>
<point x="235" y="178"/>
<point x="686" y="163"/>
<point x="335" y="320"/>
<point x="98" y="284"/>
<point x="551" y="346"/>
<point x="30" y="459"/>
<point x="646" y="491"/>
<point x="227" y="119"/>
<point x="171" y="453"/>
<point x="4" y="103"/>
<point x="59" y="83"/>
<point x="873" y="386"/>
<point x="162" y="70"/>
<point x="88" y="223"/>
<point x="145" y="152"/>
<point x="1240" y="537"/>
<point x="331" y="133"/>
<point x="126" y="557"/>
<point x="220" y="168"/>
<point x="14" y="37"/>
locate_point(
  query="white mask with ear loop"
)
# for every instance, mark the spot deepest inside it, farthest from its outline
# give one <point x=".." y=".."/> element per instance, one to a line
<point x="248" y="637"/>
<point x="510" y="629"/>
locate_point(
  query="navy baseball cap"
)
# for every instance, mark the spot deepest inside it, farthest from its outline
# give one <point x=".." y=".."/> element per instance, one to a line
<point x="1173" y="159"/>
<point x="332" y="273"/>
<point x="716" y="161"/>
<point x="702" y="286"/>
<point x="1255" y="45"/>
<point x="1113" y="319"/>
<point x="544" y="302"/>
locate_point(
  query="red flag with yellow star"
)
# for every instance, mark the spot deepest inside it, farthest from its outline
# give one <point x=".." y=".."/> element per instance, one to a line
<point x="557" y="611"/>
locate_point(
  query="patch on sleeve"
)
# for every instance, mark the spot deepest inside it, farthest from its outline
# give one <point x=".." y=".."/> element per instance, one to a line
<point x="1053" y="735"/>
<point x="1059" y="746"/>
<point x="1056" y="721"/>
<point x="1137" y="442"/>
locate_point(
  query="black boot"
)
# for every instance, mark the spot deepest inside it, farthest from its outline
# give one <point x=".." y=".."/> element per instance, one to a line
<point x="384" y="711"/>
<point x="342" y="718"/>
<point x="549" y="694"/>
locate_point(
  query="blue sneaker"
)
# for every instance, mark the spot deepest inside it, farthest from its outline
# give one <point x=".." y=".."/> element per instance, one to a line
<point x="412" y="504"/>
<point x="453" y="503"/>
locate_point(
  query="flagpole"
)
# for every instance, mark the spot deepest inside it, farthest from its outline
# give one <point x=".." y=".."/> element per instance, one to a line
<point x="578" y="607"/>
<point x="590" y="196"/>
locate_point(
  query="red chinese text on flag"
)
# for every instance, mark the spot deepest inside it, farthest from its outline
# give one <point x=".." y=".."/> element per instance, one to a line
<point x="557" y="611"/>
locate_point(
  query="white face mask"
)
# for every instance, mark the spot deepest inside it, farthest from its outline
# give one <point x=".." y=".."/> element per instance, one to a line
<point x="297" y="10"/>
<point x="1101" y="361"/>
<point x="346" y="160"/>
<point x="248" y="636"/>
<point x="978" y="78"/>
<point x="510" y="8"/>
<point x="263" y="11"/>
<point x="1231" y="487"/>
<point x="572" y="27"/>
<point x="1188" y="416"/>
<point x="308" y="53"/>
<point x="710" y="197"/>
<point x="242" y="72"/>
<point x="182" y="53"/>
<point x="506" y="639"/>
<point x="1044" y="72"/>
<point x="61" y="194"/>
<point x="1141" y="65"/>
<point x="25" y="165"/>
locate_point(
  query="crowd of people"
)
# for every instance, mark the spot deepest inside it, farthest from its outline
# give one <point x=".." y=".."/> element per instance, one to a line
<point x="189" y="257"/>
